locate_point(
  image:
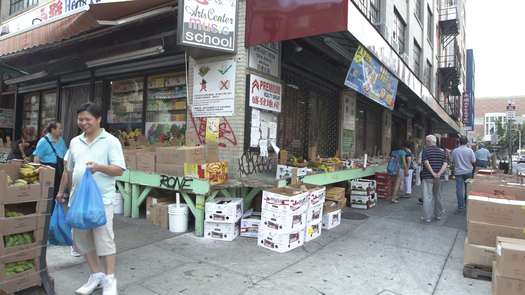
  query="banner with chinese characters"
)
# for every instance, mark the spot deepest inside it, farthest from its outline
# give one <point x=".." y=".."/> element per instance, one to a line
<point x="265" y="94"/>
<point x="370" y="78"/>
<point x="214" y="89"/>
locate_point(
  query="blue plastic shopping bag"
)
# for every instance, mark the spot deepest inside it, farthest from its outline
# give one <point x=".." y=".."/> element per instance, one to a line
<point x="87" y="209"/>
<point x="59" y="229"/>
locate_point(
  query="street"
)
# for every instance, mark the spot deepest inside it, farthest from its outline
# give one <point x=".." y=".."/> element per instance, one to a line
<point x="390" y="252"/>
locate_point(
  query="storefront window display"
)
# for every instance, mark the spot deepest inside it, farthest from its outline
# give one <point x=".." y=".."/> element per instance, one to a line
<point x="7" y="103"/>
<point x="48" y="111"/>
<point x="126" y="104"/>
<point x="166" y="109"/>
<point x="30" y="115"/>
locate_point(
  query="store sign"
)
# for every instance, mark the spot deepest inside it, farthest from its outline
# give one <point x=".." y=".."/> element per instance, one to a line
<point x="370" y="78"/>
<point x="214" y="89"/>
<point x="210" y="24"/>
<point x="48" y="12"/>
<point x="265" y="94"/>
<point x="266" y="58"/>
<point x="468" y="112"/>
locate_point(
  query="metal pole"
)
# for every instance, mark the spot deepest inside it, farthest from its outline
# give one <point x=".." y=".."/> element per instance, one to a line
<point x="509" y="123"/>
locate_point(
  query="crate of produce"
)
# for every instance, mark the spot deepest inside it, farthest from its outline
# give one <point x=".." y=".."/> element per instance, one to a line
<point x="24" y="182"/>
<point x="20" y="283"/>
<point x="20" y="264"/>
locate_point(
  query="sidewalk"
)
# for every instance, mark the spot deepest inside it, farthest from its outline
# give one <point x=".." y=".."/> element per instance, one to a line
<point x="390" y="252"/>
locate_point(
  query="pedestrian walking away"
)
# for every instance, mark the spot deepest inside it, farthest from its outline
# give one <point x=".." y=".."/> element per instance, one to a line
<point x="434" y="166"/>
<point x="398" y="154"/>
<point x="409" y="156"/>
<point x="482" y="157"/>
<point x="464" y="161"/>
<point x="96" y="150"/>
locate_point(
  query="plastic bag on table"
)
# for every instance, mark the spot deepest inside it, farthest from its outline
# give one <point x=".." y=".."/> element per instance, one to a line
<point x="87" y="209"/>
<point x="59" y="229"/>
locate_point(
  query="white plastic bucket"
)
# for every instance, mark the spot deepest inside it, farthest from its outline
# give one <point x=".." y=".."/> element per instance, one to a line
<point x="118" y="204"/>
<point x="178" y="218"/>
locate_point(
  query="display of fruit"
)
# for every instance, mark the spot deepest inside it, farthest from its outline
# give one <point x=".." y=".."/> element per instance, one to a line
<point x="29" y="174"/>
<point x="13" y="214"/>
<point x="18" y="240"/>
<point x="14" y="268"/>
<point x="298" y="161"/>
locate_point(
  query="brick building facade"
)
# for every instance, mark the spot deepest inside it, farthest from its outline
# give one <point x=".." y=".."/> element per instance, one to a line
<point x="486" y="105"/>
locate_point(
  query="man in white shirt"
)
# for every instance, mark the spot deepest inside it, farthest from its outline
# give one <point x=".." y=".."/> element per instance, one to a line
<point x="96" y="150"/>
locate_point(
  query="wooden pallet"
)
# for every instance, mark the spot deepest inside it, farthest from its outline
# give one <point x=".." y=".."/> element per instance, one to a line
<point x="477" y="272"/>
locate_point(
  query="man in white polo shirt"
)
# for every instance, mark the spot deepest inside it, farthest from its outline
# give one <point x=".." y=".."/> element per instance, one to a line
<point x="101" y="152"/>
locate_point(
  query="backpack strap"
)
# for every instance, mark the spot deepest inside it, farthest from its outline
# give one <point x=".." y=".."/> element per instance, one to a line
<point x="51" y="145"/>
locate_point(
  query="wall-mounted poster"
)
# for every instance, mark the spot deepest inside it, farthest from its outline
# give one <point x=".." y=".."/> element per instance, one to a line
<point x="214" y="89"/>
<point x="370" y="78"/>
<point x="210" y="24"/>
<point x="265" y="94"/>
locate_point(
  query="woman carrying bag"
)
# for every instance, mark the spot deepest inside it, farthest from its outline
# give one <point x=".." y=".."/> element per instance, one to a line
<point x="50" y="151"/>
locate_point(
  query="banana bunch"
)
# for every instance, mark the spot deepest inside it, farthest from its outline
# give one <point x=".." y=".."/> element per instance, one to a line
<point x="17" y="240"/>
<point x="130" y="135"/>
<point x="14" y="268"/>
<point x="28" y="174"/>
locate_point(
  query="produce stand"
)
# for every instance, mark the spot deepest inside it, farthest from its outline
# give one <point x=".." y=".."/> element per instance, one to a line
<point x="136" y="185"/>
<point x="343" y="175"/>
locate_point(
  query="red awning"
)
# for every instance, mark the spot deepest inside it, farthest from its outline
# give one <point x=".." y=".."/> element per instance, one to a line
<point x="76" y="24"/>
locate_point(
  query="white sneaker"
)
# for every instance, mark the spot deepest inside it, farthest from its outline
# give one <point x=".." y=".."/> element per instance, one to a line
<point x="110" y="286"/>
<point x="95" y="282"/>
<point x="74" y="253"/>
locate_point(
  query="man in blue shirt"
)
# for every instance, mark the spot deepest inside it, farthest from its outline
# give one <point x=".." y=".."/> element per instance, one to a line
<point x="464" y="161"/>
<point x="50" y="151"/>
<point x="482" y="157"/>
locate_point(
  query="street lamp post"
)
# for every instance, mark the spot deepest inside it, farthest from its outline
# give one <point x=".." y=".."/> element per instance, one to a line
<point x="511" y="114"/>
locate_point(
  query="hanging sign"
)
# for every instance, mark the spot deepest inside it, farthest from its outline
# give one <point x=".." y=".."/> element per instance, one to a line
<point x="370" y="78"/>
<point x="214" y="89"/>
<point x="210" y="24"/>
<point x="468" y="111"/>
<point x="212" y="130"/>
<point x="266" y="58"/>
<point x="265" y="94"/>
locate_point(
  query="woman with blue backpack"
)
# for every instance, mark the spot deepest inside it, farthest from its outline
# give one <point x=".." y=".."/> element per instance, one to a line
<point x="398" y="168"/>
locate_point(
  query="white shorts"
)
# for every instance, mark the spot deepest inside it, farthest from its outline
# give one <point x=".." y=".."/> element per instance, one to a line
<point x="100" y="240"/>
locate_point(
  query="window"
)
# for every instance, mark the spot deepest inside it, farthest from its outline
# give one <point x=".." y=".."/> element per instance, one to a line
<point x="20" y="5"/>
<point x="417" y="58"/>
<point x="430" y="26"/>
<point x="428" y="75"/>
<point x="374" y="11"/>
<point x="419" y="11"/>
<point x="399" y="33"/>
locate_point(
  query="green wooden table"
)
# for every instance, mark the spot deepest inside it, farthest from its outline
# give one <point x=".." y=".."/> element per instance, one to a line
<point x="136" y="185"/>
<point x="342" y="175"/>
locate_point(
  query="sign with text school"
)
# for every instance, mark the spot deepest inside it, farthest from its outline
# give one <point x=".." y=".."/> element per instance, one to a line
<point x="265" y="94"/>
<point x="209" y="24"/>
<point x="370" y="78"/>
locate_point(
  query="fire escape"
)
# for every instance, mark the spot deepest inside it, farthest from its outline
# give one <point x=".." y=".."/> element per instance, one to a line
<point x="449" y="71"/>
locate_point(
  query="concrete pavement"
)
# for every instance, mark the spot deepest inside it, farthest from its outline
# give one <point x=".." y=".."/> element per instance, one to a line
<point x="390" y="252"/>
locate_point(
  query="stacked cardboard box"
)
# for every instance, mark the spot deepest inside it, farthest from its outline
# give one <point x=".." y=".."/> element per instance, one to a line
<point x="489" y="218"/>
<point x="285" y="171"/>
<point x="363" y="194"/>
<point x="283" y="218"/>
<point x="157" y="210"/>
<point x="508" y="276"/>
<point x="336" y="194"/>
<point x="384" y="185"/>
<point x="314" y="212"/>
<point x="23" y="210"/>
<point x="222" y="218"/>
<point x="331" y="215"/>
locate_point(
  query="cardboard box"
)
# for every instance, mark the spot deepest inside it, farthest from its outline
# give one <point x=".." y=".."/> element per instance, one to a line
<point x="181" y="155"/>
<point x="278" y="241"/>
<point x="250" y="224"/>
<point x="363" y="201"/>
<point x="335" y="193"/>
<point x="221" y="231"/>
<point x="32" y="254"/>
<point x="170" y="169"/>
<point x="331" y="219"/>
<point x="314" y="213"/>
<point x="21" y="283"/>
<point x="478" y="255"/>
<point x="285" y="200"/>
<point x="510" y="258"/>
<point x="496" y="211"/>
<point x="226" y="210"/>
<point x="363" y="186"/>
<point x="163" y="216"/>
<point x="485" y="233"/>
<point x="283" y="222"/>
<point x="285" y="172"/>
<point x="130" y="158"/>
<point x="498" y="187"/>
<point x="40" y="206"/>
<point x="25" y="193"/>
<point x="317" y="195"/>
<point x="212" y="153"/>
<point x="330" y="206"/>
<point x="313" y="231"/>
<point x="146" y="161"/>
<point x="506" y="286"/>
<point x="36" y="236"/>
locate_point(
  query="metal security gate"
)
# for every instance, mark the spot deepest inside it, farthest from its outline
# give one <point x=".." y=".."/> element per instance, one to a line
<point x="310" y="115"/>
